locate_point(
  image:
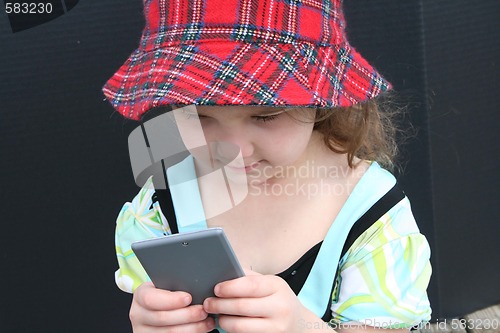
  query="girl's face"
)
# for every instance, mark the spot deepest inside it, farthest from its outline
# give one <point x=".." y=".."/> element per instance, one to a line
<point x="247" y="140"/>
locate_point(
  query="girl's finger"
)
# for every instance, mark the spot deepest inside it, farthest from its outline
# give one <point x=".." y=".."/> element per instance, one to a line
<point x="149" y="297"/>
<point x="199" y="327"/>
<point x="235" y="324"/>
<point x="249" y="286"/>
<point x="191" y="314"/>
<point x="247" y="307"/>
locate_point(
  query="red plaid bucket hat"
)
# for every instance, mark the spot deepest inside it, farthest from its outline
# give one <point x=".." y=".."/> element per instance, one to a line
<point x="242" y="52"/>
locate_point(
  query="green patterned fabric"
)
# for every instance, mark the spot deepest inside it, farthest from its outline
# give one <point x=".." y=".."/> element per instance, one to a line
<point x="385" y="274"/>
<point x="137" y="220"/>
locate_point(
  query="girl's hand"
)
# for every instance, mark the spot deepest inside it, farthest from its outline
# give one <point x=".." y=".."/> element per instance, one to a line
<point x="256" y="303"/>
<point x="154" y="310"/>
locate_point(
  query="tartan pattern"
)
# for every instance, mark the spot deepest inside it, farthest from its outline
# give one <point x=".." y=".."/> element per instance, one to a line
<point x="242" y="52"/>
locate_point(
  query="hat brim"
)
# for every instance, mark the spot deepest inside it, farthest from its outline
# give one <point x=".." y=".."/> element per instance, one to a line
<point x="238" y="73"/>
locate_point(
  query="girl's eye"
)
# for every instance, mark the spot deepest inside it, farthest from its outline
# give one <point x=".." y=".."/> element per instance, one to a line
<point x="194" y="116"/>
<point x="265" y="119"/>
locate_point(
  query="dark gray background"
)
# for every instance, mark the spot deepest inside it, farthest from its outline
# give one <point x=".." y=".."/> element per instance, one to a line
<point x="65" y="172"/>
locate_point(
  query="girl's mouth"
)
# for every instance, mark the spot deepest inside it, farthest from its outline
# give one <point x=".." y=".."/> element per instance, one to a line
<point x="244" y="168"/>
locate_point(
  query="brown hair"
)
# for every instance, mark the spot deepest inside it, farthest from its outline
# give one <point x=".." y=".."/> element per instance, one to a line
<point x="367" y="131"/>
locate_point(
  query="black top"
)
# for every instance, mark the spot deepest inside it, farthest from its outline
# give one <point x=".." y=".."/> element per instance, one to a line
<point x="297" y="273"/>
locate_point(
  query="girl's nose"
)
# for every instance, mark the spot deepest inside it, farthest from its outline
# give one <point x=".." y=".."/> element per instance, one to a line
<point x="233" y="139"/>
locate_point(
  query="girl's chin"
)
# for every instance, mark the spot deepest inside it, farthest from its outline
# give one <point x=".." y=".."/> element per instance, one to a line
<point x="262" y="181"/>
<point x="245" y="179"/>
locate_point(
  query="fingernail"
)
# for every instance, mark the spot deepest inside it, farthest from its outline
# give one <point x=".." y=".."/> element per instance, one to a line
<point x="187" y="300"/>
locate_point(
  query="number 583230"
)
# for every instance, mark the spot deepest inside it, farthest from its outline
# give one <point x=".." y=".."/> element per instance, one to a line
<point x="478" y="324"/>
<point x="28" y="8"/>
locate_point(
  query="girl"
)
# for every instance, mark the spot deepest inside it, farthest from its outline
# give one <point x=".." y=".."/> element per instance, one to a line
<point x="286" y="107"/>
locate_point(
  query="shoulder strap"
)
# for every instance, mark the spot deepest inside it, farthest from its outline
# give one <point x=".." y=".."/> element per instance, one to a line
<point x="390" y="199"/>
<point x="164" y="198"/>
<point x="382" y="206"/>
